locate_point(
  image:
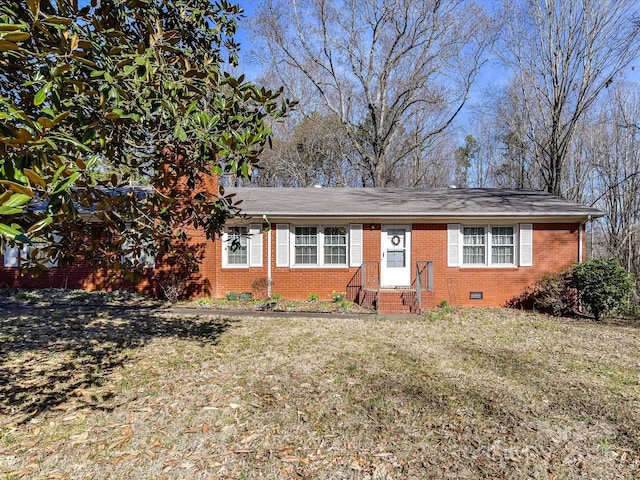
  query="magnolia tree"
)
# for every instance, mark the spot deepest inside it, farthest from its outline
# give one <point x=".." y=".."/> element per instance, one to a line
<point x="103" y="106"/>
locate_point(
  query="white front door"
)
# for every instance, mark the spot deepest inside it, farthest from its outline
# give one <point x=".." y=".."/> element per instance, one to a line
<point x="395" y="266"/>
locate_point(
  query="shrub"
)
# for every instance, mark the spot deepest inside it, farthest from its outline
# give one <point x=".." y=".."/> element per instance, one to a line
<point x="554" y="294"/>
<point x="551" y="294"/>
<point x="173" y="285"/>
<point x="231" y="296"/>
<point x="602" y="285"/>
<point x="445" y="307"/>
<point x="314" y="297"/>
<point x="261" y="287"/>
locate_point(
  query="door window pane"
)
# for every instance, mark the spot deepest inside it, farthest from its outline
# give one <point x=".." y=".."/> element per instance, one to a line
<point x="395" y="259"/>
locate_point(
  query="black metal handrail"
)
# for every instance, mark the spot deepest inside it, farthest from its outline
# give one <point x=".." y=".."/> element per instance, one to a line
<point x="364" y="286"/>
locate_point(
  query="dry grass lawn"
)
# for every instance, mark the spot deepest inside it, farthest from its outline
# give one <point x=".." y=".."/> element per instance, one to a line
<point x="93" y="393"/>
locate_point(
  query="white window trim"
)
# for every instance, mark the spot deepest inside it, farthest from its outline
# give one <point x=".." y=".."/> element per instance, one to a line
<point x="320" y="251"/>
<point x="226" y="245"/>
<point x="253" y="243"/>
<point x="488" y="246"/>
<point x="15" y="256"/>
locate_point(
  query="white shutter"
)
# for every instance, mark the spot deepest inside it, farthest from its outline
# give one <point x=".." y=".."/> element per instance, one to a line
<point x="355" y="244"/>
<point x="255" y="245"/>
<point x="224" y="247"/>
<point x="282" y="245"/>
<point x="526" y="244"/>
<point x="453" y="245"/>
<point x="12" y="256"/>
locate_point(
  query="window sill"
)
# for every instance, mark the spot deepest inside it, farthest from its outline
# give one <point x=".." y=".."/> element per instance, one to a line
<point x="489" y="267"/>
<point x="319" y="266"/>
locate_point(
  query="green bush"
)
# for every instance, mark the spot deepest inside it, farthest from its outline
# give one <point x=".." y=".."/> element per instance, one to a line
<point x="603" y="286"/>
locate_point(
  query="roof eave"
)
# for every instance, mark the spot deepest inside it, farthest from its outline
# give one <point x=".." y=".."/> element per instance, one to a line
<point x="431" y="216"/>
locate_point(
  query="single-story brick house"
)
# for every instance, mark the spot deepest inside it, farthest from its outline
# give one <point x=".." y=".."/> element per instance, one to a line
<point x="393" y="249"/>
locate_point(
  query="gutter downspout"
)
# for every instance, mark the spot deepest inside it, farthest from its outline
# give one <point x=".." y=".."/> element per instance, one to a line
<point x="590" y="251"/>
<point x="264" y="217"/>
<point x="580" y="227"/>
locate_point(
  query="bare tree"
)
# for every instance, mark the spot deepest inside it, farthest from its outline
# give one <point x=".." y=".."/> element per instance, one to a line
<point x="564" y="54"/>
<point x="394" y="72"/>
<point x="314" y="151"/>
<point x="610" y="148"/>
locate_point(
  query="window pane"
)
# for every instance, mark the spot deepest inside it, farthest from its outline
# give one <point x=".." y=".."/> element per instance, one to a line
<point x="306" y="255"/>
<point x="335" y="255"/>
<point x="473" y="235"/>
<point x="335" y="245"/>
<point x="473" y="250"/>
<point x="502" y="254"/>
<point x="237" y="250"/>
<point x="502" y="241"/>
<point x="473" y="255"/>
<point x="502" y="235"/>
<point x="335" y="236"/>
<point x="306" y="245"/>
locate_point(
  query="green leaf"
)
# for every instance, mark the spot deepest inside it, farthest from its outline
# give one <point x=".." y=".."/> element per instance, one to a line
<point x="245" y="169"/>
<point x="41" y="96"/>
<point x="66" y="183"/>
<point x="180" y="134"/>
<point x="5" y="210"/>
<point x="11" y="233"/>
<point x="17" y="200"/>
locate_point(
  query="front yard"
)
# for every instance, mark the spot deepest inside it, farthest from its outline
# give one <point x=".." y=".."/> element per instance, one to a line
<point x="103" y="392"/>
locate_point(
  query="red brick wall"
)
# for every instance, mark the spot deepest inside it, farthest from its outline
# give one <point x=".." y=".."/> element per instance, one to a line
<point x="555" y="247"/>
<point x="291" y="283"/>
<point x="79" y="277"/>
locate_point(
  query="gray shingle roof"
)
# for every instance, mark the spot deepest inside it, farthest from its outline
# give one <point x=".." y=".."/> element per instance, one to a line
<point x="398" y="202"/>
